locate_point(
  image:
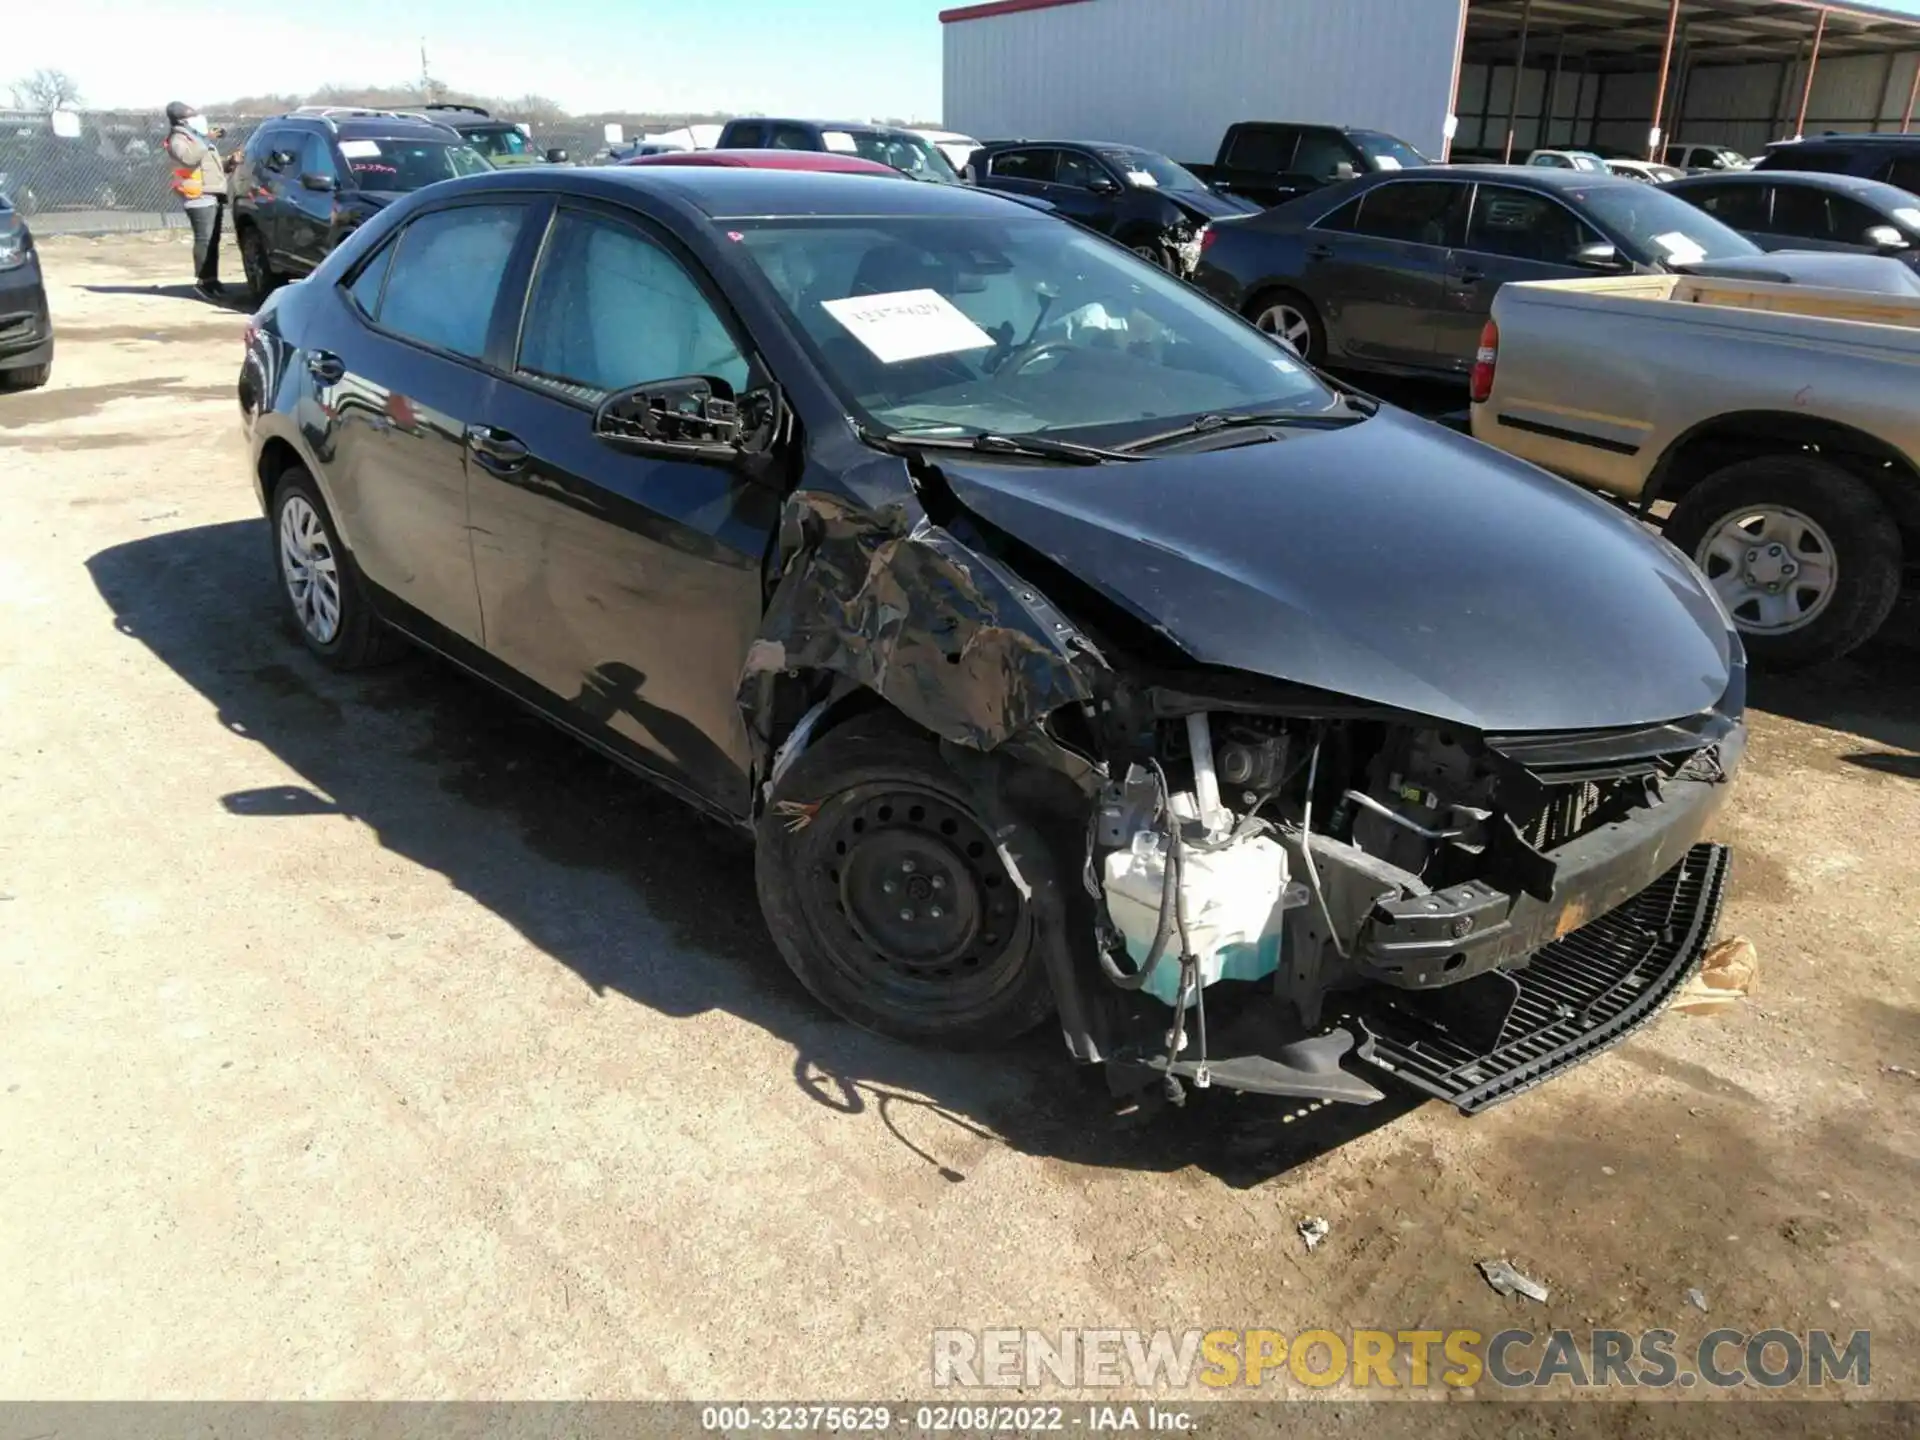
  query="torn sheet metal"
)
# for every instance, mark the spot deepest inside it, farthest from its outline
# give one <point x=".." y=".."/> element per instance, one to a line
<point x="890" y="600"/>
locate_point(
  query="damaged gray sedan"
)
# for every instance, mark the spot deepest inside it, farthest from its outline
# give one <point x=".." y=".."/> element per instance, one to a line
<point x="1070" y="648"/>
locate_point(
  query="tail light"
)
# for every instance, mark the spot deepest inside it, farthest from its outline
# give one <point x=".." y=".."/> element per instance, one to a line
<point x="1484" y="362"/>
<point x="1207" y="237"/>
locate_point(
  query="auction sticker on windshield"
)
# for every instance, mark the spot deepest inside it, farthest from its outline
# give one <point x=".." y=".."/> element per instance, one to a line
<point x="907" y="325"/>
<point x="360" y="149"/>
<point x="1681" y="249"/>
<point x="839" y="141"/>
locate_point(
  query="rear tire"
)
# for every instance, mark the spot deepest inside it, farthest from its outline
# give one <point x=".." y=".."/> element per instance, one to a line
<point x="1288" y="315"/>
<point x="1155" y="254"/>
<point x="887" y="898"/>
<point x="319" y="586"/>
<point x="1801" y="552"/>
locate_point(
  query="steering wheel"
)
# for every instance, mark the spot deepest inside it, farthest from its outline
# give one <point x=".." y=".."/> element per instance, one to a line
<point x="1023" y="360"/>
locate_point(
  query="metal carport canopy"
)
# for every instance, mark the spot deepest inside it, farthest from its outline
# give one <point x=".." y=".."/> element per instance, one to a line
<point x="1637" y="36"/>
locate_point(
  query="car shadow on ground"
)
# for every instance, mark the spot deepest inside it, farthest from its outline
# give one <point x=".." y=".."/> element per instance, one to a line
<point x="624" y="885"/>
<point x="235" y="298"/>
<point x="1873" y="693"/>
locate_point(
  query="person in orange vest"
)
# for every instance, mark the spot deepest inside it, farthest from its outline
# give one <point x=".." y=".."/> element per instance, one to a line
<point x="200" y="180"/>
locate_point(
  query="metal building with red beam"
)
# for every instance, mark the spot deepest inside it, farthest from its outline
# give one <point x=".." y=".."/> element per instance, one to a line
<point x="1625" y="76"/>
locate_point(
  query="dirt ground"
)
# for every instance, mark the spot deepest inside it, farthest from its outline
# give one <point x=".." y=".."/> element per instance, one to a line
<point x="361" y="1037"/>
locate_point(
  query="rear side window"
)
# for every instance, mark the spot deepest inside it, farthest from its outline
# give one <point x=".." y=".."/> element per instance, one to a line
<point x="610" y="308"/>
<point x="1035" y="165"/>
<point x="1744" y="207"/>
<point x="1263" y="147"/>
<point x="789" y="137"/>
<point x="747" y="137"/>
<point x="445" y="274"/>
<point x="365" y="288"/>
<point x="1525" y="226"/>
<point x="1904" y="171"/>
<point x="1826" y="159"/>
<point x="1418" y="212"/>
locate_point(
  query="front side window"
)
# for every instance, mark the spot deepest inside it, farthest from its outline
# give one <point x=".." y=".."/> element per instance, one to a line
<point x="316" y="158"/>
<point x="750" y="136"/>
<point x="789" y="137"/>
<point x="1431" y="212"/>
<point x="1387" y="152"/>
<point x="1525" y="226"/>
<point x="1019" y="327"/>
<point x="498" y="144"/>
<point x="610" y="308"/>
<point x="399" y="166"/>
<point x="1321" y="155"/>
<point x="1076" y="170"/>
<point x="445" y="276"/>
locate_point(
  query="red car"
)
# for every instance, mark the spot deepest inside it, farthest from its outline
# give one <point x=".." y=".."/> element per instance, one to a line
<point x="772" y="160"/>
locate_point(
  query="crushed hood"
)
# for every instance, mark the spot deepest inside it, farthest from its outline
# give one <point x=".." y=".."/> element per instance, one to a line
<point x="1210" y="204"/>
<point x="1392" y="561"/>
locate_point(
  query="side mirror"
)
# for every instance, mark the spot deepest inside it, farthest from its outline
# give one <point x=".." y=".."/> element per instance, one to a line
<point x="695" y="417"/>
<point x="556" y="157"/>
<point x="325" y="184"/>
<point x="1344" y="170"/>
<point x="1104" y="185"/>
<point x="1600" y="255"/>
<point x="1884" y="238"/>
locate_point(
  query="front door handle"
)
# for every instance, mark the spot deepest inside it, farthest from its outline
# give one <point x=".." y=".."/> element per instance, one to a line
<point x="326" y="367"/>
<point x="1320" y="252"/>
<point x="1471" y="276"/>
<point x="496" y="449"/>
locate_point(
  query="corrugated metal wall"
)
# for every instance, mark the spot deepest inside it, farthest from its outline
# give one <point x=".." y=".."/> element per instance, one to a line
<point x="1744" y="106"/>
<point x="1171" y="75"/>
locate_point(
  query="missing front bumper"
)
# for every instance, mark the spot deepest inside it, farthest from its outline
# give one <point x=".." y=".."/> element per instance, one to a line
<point x="1489" y="1038"/>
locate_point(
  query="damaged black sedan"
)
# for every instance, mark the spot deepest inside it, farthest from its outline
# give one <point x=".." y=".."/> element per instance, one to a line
<point x="1069" y="647"/>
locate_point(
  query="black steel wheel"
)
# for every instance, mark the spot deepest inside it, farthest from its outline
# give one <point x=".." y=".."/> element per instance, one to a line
<point x="889" y="900"/>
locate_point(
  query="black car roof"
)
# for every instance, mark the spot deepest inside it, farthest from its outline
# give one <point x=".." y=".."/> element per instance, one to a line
<point x="371" y="127"/>
<point x="737" y="192"/>
<point x="1863" y="137"/>
<point x="1537" y="177"/>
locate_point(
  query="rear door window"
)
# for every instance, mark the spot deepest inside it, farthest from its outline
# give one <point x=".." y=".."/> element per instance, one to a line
<point x="445" y="276"/>
<point x="1039" y="166"/>
<point x="610" y="308"/>
<point x="1744" y="207"/>
<point x="1263" y="147"/>
<point x="1418" y="212"/>
<point x="1522" y="225"/>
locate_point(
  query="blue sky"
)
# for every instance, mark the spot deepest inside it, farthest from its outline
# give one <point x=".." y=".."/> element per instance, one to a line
<point x="848" y="60"/>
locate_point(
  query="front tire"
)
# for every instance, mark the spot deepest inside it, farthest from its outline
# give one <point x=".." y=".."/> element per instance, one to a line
<point x="1288" y="315"/>
<point x="887" y="897"/>
<point x="318" y="584"/>
<point x="262" y="278"/>
<point x="1802" y="553"/>
<point x="26" y="377"/>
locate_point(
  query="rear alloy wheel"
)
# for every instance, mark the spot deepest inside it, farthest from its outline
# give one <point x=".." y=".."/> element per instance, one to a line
<point x="889" y="900"/>
<point x="1289" y="317"/>
<point x="1155" y="254"/>
<point x="1801" y="552"/>
<point x="317" y="580"/>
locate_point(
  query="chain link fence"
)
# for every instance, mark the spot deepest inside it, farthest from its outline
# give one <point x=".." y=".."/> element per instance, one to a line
<point x="113" y="176"/>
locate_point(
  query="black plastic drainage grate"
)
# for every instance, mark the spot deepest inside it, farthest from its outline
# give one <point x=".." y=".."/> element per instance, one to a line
<point x="1493" y="1037"/>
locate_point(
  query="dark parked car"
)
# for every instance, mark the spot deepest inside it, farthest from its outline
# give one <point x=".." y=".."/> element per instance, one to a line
<point x="26" y="330"/>
<point x="306" y="181"/>
<point x="1398" y="273"/>
<point x="912" y="155"/>
<point x="1145" y="201"/>
<point x="1698" y="159"/>
<point x="1796" y="210"/>
<point x="502" y="142"/>
<point x="1893" y="159"/>
<point x="1004" y="590"/>
<point x="1270" y="162"/>
<point x="818" y="161"/>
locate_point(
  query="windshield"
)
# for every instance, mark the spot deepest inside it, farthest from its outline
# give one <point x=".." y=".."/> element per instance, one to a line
<point x="495" y="143"/>
<point x="401" y="165"/>
<point x="909" y="154"/>
<point x="1586" y="160"/>
<point x="1147" y="171"/>
<point x="1015" y="327"/>
<point x="1661" y="226"/>
<point x="1730" y="158"/>
<point x="1385" y="151"/>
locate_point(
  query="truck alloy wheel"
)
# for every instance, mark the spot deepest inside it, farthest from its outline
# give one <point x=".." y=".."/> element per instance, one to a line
<point x="1774" y="568"/>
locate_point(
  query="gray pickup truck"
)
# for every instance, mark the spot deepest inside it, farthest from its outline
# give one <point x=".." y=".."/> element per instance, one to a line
<point x="1778" y="421"/>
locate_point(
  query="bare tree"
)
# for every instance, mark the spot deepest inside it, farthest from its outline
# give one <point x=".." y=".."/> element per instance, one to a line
<point x="46" y="90"/>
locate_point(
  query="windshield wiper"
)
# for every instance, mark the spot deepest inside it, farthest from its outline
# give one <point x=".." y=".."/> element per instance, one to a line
<point x="1240" y="420"/>
<point x="1036" y="447"/>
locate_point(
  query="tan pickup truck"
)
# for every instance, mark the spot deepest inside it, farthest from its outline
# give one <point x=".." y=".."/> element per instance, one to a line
<point x="1781" y="422"/>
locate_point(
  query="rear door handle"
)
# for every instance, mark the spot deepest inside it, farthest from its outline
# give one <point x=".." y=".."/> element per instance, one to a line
<point x="1320" y="252"/>
<point x="496" y="449"/>
<point x="1471" y="276"/>
<point x="326" y="367"/>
